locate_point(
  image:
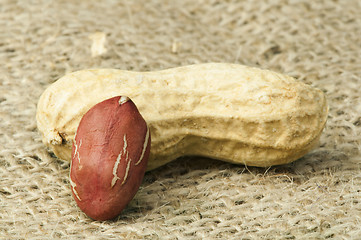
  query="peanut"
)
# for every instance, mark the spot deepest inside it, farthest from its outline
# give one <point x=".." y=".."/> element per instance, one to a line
<point x="109" y="157"/>
<point x="230" y="112"/>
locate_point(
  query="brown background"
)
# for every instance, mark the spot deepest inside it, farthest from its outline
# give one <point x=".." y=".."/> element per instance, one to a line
<point x="318" y="42"/>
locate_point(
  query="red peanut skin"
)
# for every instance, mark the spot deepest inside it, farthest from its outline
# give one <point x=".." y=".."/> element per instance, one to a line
<point x="98" y="144"/>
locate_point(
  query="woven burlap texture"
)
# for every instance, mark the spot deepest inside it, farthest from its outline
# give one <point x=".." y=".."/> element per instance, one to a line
<point x="318" y="42"/>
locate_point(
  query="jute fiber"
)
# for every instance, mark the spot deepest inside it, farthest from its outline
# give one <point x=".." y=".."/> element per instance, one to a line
<point x="318" y="42"/>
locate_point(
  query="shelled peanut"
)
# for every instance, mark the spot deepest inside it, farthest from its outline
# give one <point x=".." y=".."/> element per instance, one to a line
<point x="109" y="157"/>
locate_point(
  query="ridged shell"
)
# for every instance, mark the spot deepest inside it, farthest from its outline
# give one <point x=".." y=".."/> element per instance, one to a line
<point x="225" y="111"/>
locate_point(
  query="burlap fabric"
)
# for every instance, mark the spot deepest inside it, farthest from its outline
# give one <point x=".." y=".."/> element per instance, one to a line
<point x="318" y="42"/>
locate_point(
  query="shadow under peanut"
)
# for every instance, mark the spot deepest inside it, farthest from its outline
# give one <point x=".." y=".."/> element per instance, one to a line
<point x="166" y="188"/>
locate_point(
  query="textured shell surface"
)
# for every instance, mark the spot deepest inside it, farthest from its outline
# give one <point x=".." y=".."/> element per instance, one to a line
<point x="230" y="112"/>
